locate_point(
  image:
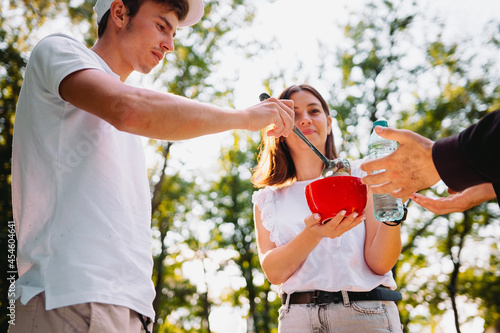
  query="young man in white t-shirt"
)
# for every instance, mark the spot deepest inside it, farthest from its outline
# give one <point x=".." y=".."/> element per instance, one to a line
<point x="80" y="190"/>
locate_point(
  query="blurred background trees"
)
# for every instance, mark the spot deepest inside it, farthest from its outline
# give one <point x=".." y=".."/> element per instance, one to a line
<point x="392" y="62"/>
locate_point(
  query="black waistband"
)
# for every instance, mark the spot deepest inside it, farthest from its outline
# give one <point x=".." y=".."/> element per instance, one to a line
<point x="325" y="297"/>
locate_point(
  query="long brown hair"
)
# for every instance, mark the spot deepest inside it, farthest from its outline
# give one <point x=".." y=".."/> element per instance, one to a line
<point x="275" y="165"/>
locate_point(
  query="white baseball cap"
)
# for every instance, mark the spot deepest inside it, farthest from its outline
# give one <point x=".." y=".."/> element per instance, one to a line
<point x="194" y="15"/>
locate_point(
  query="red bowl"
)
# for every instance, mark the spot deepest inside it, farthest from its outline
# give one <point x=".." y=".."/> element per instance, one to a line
<point x="330" y="195"/>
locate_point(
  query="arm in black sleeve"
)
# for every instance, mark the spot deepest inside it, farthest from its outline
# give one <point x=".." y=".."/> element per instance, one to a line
<point x="471" y="157"/>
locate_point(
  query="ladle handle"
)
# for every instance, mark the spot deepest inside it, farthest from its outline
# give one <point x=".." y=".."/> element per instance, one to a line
<point x="296" y="130"/>
<point x="301" y="135"/>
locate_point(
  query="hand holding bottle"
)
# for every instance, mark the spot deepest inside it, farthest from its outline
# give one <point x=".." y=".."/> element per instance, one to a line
<point x="385" y="206"/>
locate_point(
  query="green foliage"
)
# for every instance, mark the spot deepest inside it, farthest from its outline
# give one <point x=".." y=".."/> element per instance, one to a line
<point x="231" y="196"/>
<point x="371" y="66"/>
<point x="483" y="286"/>
<point x="226" y="207"/>
<point x="189" y="70"/>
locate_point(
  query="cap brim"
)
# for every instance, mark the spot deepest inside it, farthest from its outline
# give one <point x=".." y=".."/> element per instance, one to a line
<point x="196" y="10"/>
<point x="101" y="7"/>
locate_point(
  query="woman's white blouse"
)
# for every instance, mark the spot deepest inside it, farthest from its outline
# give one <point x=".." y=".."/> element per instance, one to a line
<point x="335" y="264"/>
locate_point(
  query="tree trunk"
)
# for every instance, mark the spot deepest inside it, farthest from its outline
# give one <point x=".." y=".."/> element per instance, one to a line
<point x="452" y="286"/>
<point x="163" y="227"/>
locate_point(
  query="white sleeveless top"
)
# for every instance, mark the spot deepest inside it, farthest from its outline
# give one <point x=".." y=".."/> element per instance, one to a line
<point x="335" y="264"/>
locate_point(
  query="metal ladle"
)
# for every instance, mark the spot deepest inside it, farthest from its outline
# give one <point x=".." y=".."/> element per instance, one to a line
<point x="332" y="167"/>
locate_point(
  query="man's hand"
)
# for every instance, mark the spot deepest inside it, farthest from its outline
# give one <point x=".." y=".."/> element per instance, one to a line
<point x="407" y="170"/>
<point x="457" y="201"/>
<point x="277" y="113"/>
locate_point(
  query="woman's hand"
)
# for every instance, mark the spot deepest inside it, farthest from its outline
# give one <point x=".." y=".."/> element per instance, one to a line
<point x="334" y="227"/>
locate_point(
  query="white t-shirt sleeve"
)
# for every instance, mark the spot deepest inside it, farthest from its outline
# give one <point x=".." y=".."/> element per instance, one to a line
<point x="57" y="56"/>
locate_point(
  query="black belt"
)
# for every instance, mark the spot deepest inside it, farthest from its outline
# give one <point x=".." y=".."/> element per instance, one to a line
<point x="145" y="322"/>
<point x="325" y="297"/>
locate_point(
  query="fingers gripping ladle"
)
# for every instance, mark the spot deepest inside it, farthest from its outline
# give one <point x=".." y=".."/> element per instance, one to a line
<point x="332" y="167"/>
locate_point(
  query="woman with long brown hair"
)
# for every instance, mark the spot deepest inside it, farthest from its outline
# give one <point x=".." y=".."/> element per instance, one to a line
<point x="333" y="277"/>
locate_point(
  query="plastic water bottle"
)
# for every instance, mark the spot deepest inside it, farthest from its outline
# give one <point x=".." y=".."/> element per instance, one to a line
<point x="385" y="206"/>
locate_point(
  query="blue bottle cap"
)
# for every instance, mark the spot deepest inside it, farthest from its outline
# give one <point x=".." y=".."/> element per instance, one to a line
<point x="380" y="122"/>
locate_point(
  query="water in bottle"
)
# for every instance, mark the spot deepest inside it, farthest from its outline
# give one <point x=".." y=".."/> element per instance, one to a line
<point x="385" y="206"/>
